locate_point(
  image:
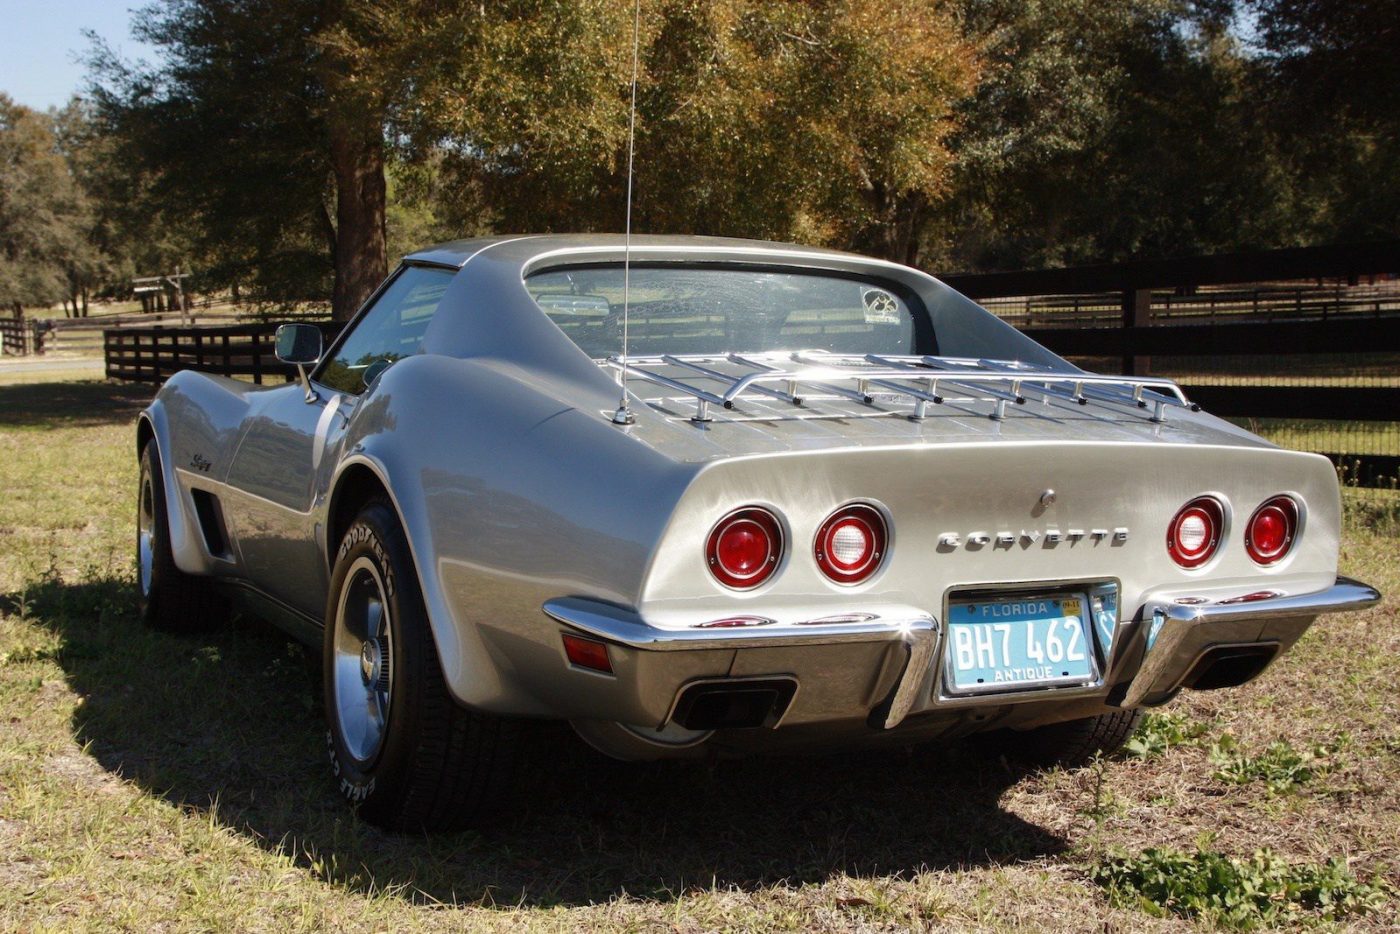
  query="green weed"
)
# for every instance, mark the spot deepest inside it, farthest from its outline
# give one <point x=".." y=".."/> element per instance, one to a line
<point x="1241" y="894"/>
<point x="1280" y="766"/>
<point x="1159" y="731"/>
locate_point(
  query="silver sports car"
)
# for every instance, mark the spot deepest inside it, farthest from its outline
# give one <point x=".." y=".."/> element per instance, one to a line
<point x="818" y="500"/>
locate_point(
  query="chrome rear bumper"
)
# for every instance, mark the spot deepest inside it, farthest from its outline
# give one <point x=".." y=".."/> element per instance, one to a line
<point x="1179" y="635"/>
<point x="915" y="637"/>
<point x="833" y="658"/>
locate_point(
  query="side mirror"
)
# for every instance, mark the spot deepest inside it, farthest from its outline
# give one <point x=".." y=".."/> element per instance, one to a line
<point x="300" y="345"/>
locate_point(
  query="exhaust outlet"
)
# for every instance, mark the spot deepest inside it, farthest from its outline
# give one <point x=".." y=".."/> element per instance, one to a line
<point x="733" y="704"/>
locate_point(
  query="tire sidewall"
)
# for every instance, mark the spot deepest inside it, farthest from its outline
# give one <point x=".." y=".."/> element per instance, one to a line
<point x="376" y="534"/>
<point x="146" y="600"/>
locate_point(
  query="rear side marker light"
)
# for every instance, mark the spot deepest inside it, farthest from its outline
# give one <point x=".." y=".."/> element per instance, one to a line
<point x="851" y="544"/>
<point x="1194" y="534"/>
<point x="1252" y="597"/>
<point x="587" y="653"/>
<point x="744" y="548"/>
<point x="735" y="622"/>
<point x="1271" y="530"/>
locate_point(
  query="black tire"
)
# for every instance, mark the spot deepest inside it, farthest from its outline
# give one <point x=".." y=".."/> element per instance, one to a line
<point x="1074" y="743"/>
<point x="167" y="597"/>
<point x="434" y="765"/>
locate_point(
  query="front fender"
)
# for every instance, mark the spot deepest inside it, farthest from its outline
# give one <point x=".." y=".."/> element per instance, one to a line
<point x="195" y="422"/>
<point x="184" y="543"/>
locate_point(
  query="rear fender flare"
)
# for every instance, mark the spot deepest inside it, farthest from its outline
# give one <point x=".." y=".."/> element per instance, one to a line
<point x="466" y="666"/>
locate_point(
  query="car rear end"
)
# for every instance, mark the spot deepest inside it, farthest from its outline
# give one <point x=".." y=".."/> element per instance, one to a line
<point x="903" y="518"/>
<point x="825" y="596"/>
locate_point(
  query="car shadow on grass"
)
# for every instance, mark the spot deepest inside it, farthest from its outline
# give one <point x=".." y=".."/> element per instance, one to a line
<point x="76" y="404"/>
<point x="226" y="722"/>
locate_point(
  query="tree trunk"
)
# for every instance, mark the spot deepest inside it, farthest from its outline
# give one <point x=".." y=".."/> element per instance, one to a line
<point x="361" y="253"/>
<point x="895" y="232"/>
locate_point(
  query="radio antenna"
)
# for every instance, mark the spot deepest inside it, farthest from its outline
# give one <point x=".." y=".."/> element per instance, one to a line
<point x="623" y="415"/>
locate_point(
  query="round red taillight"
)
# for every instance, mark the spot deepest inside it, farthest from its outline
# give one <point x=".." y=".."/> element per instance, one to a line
<point x="851" y="543"/>
<point x="1195" y="531"/>
<point x="744" y="548"/>
<point x="1271" y="530"/>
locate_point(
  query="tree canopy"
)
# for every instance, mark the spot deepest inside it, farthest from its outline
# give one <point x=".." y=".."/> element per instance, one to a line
<point x="288" y="149"/>
<point x="44" y="214"/>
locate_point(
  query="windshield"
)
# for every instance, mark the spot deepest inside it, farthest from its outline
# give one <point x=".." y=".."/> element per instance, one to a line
<point x="677" y="309"/>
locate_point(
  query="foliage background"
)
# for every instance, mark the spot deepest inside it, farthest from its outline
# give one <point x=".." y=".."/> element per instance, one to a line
<point x="288" y="150"/>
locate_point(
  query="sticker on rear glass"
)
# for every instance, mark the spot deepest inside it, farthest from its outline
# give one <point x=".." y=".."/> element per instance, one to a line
<point x="880" y="307"/>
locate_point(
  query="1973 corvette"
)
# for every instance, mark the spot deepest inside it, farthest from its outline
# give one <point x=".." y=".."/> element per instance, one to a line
<point x="842" y="504"/>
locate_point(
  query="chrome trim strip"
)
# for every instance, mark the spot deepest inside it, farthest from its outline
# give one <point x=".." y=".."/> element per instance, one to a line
<point x="1346" y="594"/>
<point x="491" y="246"/>
<point x="625" y="627"/>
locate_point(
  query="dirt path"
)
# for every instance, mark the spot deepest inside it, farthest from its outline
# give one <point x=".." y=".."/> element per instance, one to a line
<point x="95" y="365"/>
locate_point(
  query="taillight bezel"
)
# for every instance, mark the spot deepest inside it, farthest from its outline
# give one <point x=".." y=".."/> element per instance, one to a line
<point x="1292" y="512"/>
<point x="875" y="521"/>
<point x="1216" y="513"/>
<point x="770" y="524"/>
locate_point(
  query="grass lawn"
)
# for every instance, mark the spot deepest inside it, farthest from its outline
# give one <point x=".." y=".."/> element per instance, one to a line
<point x="155" y="782"/>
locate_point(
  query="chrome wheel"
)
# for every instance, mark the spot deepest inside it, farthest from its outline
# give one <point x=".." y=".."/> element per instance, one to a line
<point x="362" y="668"/>
<point x="146" y="533"/>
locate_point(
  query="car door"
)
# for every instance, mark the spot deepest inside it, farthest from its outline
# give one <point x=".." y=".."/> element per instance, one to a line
<point x="291" y="443"/>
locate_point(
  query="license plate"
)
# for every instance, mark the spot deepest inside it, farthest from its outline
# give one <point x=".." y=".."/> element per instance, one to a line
<point x="1013" y="643"/>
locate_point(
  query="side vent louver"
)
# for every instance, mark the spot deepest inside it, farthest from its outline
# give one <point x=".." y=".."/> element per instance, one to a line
<point x="211" y="522"/>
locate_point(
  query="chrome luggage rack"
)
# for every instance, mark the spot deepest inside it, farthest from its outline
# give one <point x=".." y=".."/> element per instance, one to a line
<point x="781" y="375"/>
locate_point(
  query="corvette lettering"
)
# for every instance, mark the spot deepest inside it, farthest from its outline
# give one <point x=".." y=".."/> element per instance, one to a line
<point x="1048" y="538"/>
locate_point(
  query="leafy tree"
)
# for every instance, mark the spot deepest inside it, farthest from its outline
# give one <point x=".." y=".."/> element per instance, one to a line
<point x="273" y="122"/>
<point x="1112" y="131"/>
<point x="227" y="136"/>
<point x="44" y="215"/>
<point x="1344" y="55"/>
<point x="824" y="122"/>
<point x="127" y="233"/>
<point x="878" y="96"/>
<point x="288" y="147"/>
<point x="1333" y="89"/>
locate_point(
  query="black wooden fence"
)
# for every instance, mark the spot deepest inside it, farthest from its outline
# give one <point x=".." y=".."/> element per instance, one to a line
<point x="22" y="336"/>
<point x="151" y="355"/>
<point x="1300" y="344"/>
<point x="1322" y="363"/>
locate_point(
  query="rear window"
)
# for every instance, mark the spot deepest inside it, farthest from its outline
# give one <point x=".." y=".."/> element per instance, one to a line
<point x="677" y="310"/>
